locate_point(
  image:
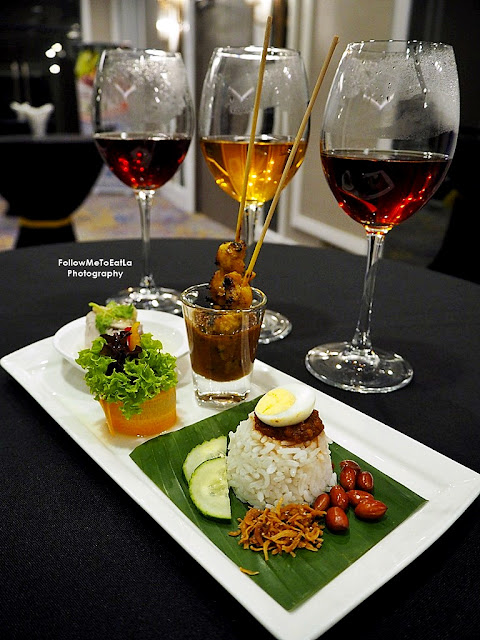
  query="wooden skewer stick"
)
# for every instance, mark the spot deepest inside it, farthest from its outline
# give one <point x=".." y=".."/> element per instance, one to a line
<point x="251" y="144"/>
<point x="291" y="157"/>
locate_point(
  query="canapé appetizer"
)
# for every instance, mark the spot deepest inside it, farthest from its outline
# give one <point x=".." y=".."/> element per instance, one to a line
<point x="134" y="380"/>
<point x="108" y="319"/>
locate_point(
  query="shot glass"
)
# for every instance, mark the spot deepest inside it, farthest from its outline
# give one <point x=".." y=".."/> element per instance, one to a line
<point x="223" y="345"/>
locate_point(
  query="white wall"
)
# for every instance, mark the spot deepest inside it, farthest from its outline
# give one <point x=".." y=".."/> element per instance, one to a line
<point x="308" y="210"/>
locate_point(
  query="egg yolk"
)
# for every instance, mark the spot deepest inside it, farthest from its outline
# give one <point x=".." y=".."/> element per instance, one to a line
<point x="275" y="401"/>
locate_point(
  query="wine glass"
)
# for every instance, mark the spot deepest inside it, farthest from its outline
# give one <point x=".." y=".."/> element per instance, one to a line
<point x="225" y="124"/>
<point x="143" y="124"/>
<point x="388" y="137"/>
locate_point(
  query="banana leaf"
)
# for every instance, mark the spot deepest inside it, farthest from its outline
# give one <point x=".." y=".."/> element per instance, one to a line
<point x="289" y="580"/>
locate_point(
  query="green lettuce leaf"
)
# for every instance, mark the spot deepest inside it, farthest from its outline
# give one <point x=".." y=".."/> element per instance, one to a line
<point x="141" y="379"/>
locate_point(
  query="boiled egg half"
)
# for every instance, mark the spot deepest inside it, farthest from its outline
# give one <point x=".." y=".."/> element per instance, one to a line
<point x="286" y="405"/>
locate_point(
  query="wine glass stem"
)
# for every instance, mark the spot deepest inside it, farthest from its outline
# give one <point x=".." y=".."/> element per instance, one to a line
<point x="251" y="214"/>
<point x="361" y="339"/>
<point x="144" y="199"/>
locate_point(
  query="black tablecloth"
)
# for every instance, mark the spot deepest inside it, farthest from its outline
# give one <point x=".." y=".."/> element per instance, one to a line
<point x="81" y="559"/>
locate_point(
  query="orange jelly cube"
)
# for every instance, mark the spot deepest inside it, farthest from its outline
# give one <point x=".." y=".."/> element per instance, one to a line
<point x="158" y="414"/>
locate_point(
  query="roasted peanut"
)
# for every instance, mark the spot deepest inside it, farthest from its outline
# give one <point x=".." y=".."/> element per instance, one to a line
<point x="364" y="481"/>
<point x="348" y="477"/>
<point x="355" y="496"/>
<point x="338" y="497"/>
<point x="322" y="502"/>
<point x="370" y="509"/>
<point x="350" y="463"/>
<point x="336" y="519"/>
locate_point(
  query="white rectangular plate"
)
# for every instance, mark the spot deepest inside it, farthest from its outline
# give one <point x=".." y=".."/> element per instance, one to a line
<point x="448" y="486"/>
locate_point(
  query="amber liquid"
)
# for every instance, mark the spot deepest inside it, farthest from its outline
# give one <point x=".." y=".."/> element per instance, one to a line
<point x="142" y="162"/>
<point x="227" y="157"/>
<point x="385" y="188"/>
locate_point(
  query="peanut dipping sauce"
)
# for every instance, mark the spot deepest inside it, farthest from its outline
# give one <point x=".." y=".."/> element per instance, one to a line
<point x="295" y="433"/>
<point x="223" y="348"/>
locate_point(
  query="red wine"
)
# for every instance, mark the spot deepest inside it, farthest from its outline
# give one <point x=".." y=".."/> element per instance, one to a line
<point x="142" y="162"/>
<point x="383" y="188"/>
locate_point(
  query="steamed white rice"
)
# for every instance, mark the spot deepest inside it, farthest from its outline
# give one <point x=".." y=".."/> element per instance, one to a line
<point x="262" y="470"/>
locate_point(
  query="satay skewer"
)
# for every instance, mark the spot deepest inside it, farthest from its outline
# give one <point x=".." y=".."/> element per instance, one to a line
<point x="290" y="159"/>
<point x="251" y="144"/>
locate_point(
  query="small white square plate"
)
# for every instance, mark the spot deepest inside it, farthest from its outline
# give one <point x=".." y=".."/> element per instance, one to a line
<point x="167" y="328"/>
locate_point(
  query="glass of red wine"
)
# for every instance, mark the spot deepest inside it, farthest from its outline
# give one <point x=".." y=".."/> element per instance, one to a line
<point x="143" y="123"/>
<point x="389" y="133"/>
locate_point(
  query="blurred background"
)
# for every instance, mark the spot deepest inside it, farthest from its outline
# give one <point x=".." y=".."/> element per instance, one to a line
<point x="48" y="53"/>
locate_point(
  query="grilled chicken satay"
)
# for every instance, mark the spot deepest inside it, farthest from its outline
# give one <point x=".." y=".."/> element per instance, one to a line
<point x="227" y="287"/>
<point x="231" y="257"/>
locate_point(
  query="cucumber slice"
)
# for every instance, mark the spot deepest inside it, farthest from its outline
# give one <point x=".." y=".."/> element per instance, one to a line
<point x="209" y="489"/>
<point x="205" y="451"/>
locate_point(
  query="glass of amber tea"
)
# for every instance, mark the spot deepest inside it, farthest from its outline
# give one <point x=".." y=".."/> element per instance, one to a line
<point x="223" y="345"/>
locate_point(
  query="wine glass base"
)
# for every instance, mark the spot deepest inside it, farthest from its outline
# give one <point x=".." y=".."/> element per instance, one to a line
<point x="152" y="299"/>
<point x="360" y="370"/>
<point x="275" y="326"/>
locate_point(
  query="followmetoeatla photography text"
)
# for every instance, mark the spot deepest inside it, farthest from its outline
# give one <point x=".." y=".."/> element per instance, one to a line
<point x="95" y="267"/>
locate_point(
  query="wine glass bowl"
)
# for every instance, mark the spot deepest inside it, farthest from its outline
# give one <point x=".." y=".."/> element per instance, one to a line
<point x="143" y="125"/>
<point x="388" y="137"/>
<point x="225" y="123"/>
